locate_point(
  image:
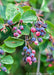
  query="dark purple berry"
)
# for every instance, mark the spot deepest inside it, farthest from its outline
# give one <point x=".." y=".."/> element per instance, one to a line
<point x="25" y="48"/>
<point x="40" y="39"/>
<point x="32" y="55"/>
<point x="4" y="69"/>
<point x="1" y="52"/>
<point x="28" y="51"/>
<point x="10" y="22"/>
<point x="33" y="39"/>
<point x="21" y="27"/>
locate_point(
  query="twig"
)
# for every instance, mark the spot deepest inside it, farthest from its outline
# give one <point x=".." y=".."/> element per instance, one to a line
<point x="38" y="67"/>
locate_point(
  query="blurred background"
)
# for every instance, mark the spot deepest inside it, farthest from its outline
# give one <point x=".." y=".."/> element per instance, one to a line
<point x="46" y="7"/>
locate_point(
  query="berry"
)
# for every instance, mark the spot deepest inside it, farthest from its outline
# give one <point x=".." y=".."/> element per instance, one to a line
<point x="28" y="51"/>
<point x="30" y="63"/>
<point x="37" y="33"/>
<point x="10" y="22"/>
<point x="21" y="27"/>
<point x="33" y="39"/>
<point x="4" y="69"/>
<point x="32" y="55"/>
<point x="44" y="25"/>
<point x="28" y="59"/>
<point x="52" y="48"/>
<point x="39" y="23"/>
<point x="19" y="31"/>
<point x="37" y="29"/>
<point x="1" y="52"/>
<point x="50" y="65"/>
<point x="42" y="29"/>
<point x="15" y="34"/>
<point x="21" y="21"/>
<point x="25" y="48"/>
<point x="40" y="40"/>
<point x="34" y="59"/>
<point x="36" y="42"/>
<point x="0" y="64"/>
<point x="14" y="28"/>
<point x="33" y="51"/>
<point x="33" y="30"/>
<point x="53" y="43"/>
<point x="42" y="33"/>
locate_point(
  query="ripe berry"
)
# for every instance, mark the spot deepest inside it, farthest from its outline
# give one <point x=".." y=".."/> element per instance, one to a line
<point x="50" y="65"/>
<point x="15" y="34"/>
<point x="42" y="29"/>
<point x="21" y="27"/>
<point x="1" y="52"/>
<point x="34" y="59"/>
<point x="33" y="39"/>
<point x="14" y="28"/>
<point x="33" y="30"/>
<point x="28" y="51"/>
<point x="40" y="40"/>
<point x="44" y="25"/>
<point x="32" y="55"/>
<point x="0" y="64"/>
<point x="37" y="33"/>
<point x="21" y="21"/>
<point x="39" y="23"/>
<point x="28" y="59"/>
<point x="36" y="42"/>
<point x="42" y="33"/>
<point x="52" y="48"/>
<point x="30" y="63"/>
<point x="37" y="29"/>
<point x="33" y="51"/>
<point x="19" y="31"/>
<point x="4" y="69"/>
<point x="25" y="48"/>
<point x="10" y="22"/>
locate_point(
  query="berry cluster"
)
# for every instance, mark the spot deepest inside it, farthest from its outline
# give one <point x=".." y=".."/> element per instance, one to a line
<point x="17" y="31"/>
<point x="1" y="65"/>
<point x="29" y="55"/>
<point x="38" y="32"/>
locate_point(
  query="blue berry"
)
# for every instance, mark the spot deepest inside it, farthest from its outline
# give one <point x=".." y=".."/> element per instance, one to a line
<point x="42" y="29"/>
<point x="34" y="59"/>
<point x="10" y="22"/>
<point x="32" y="55"/>
<point x="28" y="51"/>
<point x="25" y="48"/>
<point x="52" y="48"/>
<point x="40" y="39"/>
<point x="33" y="39"/>
<point x="39" y="23"/>
<point x="37" y="29"/>
<point x="42" y="33"/>
<point x="4" y="69"/>
<point x="1" y="52"/>
<point x="21" y="27"/>
<point x="44" y="25"/>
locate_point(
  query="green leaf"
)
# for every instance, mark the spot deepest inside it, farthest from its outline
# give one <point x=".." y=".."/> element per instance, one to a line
<point x="44" y="6"/>
<point x="46" y="36"/>
<point x="1" y="23"/>
<point x="17" y="17"/>
<point x="43" y="45"/>
<point x="26" y="30"/>
<point x="33" y="3"/>
<point x="8" y="49"/>
<point x="25" y="8"/>
<point x="50" y="69"/>
<point x="7" y="60"/>
<point x="29" y="16"/>
<point x="2" y="11"/>
<point x="13" y="42"/>
<point x="50" y="28"/>
<point x="11" y="11"/>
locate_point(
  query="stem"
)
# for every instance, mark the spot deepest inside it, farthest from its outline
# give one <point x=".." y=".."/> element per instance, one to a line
<point x="38" y="67"/>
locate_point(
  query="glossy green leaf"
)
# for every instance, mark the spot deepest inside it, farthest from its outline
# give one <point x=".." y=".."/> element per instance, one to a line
<point x="7" y="60"/>
<point x="50" y="28"/>
<point x="25" y="8"/>
<point x="29" y="16"/>
<point x="13" y="42"/>
<point x="44" y="6"/>
<point x="8" y="49"/>
<point x="1" y="23"/>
